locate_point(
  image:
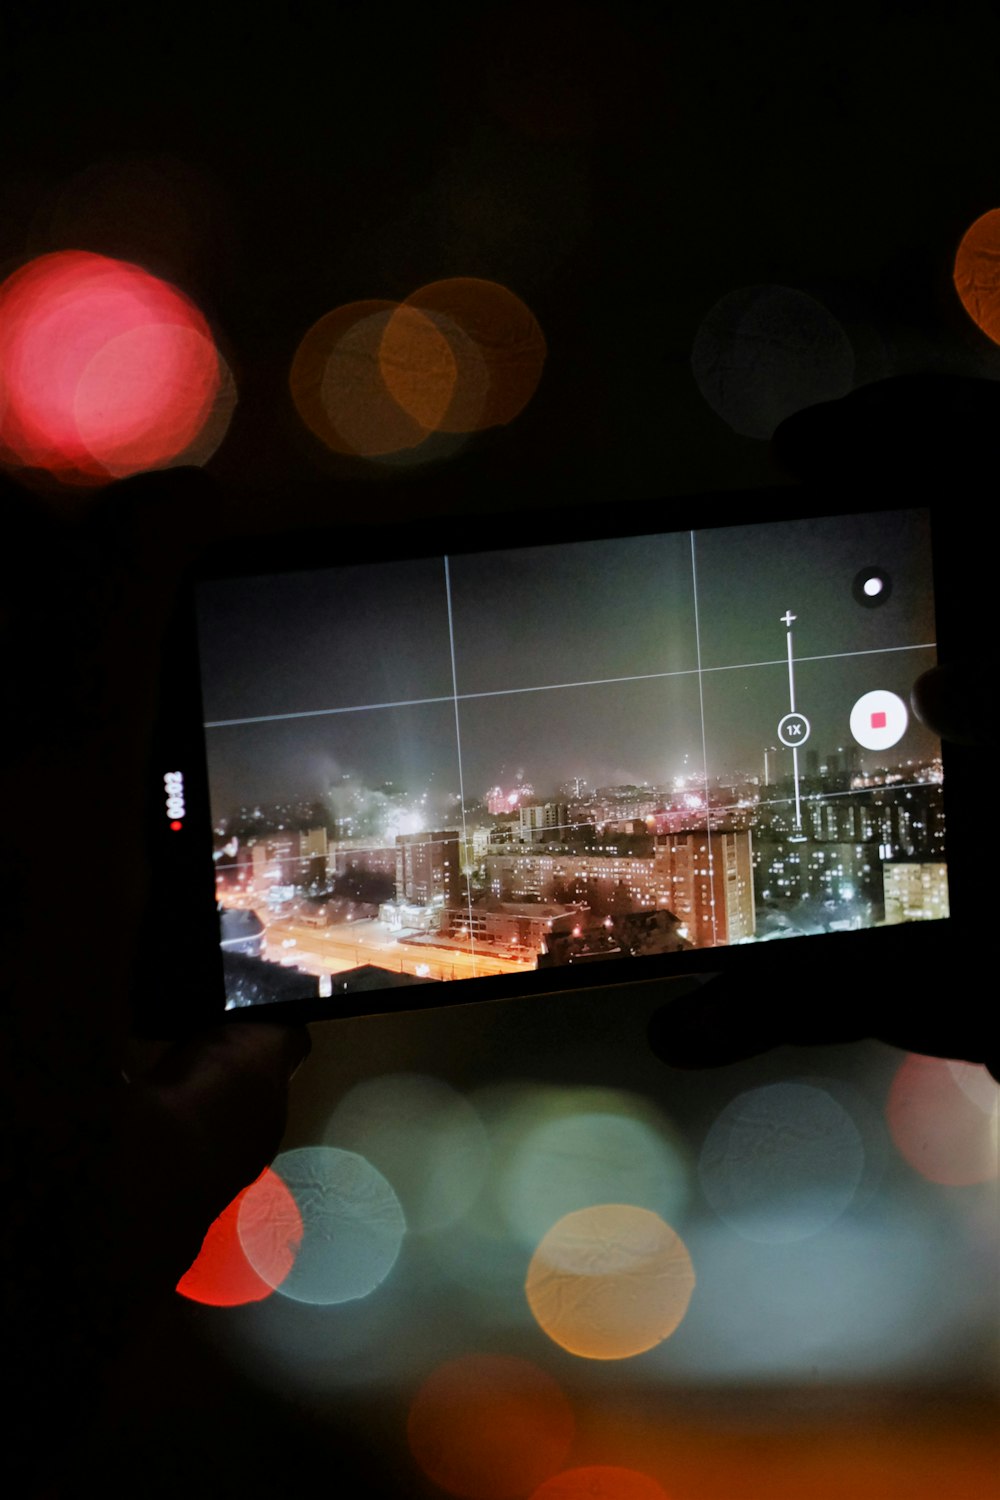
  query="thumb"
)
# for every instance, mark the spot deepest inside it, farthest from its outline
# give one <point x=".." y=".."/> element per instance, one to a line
<point x="200" y="1127"/>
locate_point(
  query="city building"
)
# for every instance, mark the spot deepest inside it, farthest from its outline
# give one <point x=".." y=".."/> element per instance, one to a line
<point x="507" y="924"/>
<point x="705" y="879"/>
<point x="844" y="842"/>
<point x="313" y="843"/>
<point x="707" y="882"/>
<point x="428" y="867"/>
<point x="363" y="859"/>
<point x="544" y="823"/>
<point x="794" y="867"/>
<point x="915" y="892"/>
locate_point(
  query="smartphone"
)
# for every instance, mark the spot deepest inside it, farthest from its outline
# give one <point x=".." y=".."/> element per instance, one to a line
<point x="415" y="767"/>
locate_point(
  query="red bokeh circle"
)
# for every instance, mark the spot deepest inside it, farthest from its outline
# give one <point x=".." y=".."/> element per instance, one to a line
<point x="222" y="1276"/>
<point x="105" y="370"/>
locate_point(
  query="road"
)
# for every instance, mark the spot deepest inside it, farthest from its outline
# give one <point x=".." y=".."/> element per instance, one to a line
<point x="348" y="944"/>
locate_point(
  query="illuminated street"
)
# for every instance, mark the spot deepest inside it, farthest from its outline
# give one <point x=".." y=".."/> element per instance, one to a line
<point x="350" y="944"/>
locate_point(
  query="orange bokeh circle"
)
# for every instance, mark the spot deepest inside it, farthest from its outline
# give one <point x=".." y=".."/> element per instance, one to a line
<point x="610" y="1281"/>
<point x="338" y="384"/>
<point x="489" y="1427"/>
<point x="977" y="273"/>
<point x="496" y="342"/>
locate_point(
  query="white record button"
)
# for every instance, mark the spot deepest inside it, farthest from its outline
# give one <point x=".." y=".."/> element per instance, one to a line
<point x="879" y="719"/>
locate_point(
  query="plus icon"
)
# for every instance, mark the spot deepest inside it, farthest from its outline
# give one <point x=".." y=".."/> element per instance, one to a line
<point x="788" y="617"/>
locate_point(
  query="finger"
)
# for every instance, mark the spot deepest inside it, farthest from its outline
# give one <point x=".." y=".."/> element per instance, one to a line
<point x="948" y="700"/>
<point x="726" y="1022"/>
<point x="226" y="1095"/>
<point x="934" y="426"/>
<point x="194" y="1132"/>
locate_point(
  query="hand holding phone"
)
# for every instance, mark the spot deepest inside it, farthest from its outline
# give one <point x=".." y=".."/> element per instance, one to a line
<point x="109" y="1185"/>
<point x="921" y="430"/>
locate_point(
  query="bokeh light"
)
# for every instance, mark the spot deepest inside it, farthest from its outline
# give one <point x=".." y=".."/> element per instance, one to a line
<point x="418" y="363"/>
<point x="489" y="1427"/>
<point x="868" y="1118"/>
<point x="781" y="1162"/>
<point x="497" y="343"/>
<point x="210" y="435"/>
<point x="105" y="370"/>
<point x="383" y="380"/>
<point x="764" y="352"/>
<point x="610" y="1281"/>
<point x="978" y="1084"/>
<point x="874" y="1296"/>
<point x="593" y="1156"/>
<point x="940" y="1126"/>
<point x="352" y="1226"/>
<point x="304" y="1351"/>
<point x="221" y="1276"/>
<point x="337" y="386"/>
<point x="423" y="1137"/>
<point x="553" y="1150"/>
<point x="800" y="1443"/>
<point x="977" y="273"/>
<point x="600" y="1482"/>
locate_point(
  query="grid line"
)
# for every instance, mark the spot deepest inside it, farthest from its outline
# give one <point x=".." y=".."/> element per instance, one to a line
<point x="529" y="851"/>
<point x="704" y="739"/>
<point x="458" y="748"/>
<point x="550" y="687"/>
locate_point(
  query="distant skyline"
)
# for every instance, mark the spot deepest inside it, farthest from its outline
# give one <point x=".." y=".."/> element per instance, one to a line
<point x="618" y="661"/>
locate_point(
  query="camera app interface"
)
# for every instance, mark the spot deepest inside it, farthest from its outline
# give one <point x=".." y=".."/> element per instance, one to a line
<point x="491" y="763"/>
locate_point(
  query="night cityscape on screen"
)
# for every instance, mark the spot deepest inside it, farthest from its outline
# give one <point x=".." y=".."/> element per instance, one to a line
<point x="488" y="763"/>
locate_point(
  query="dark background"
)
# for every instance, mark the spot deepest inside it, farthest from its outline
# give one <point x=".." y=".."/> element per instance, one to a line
<point x="621" y="168"/>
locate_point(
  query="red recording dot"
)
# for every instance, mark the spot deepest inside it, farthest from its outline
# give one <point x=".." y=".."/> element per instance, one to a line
<point x="176" y="826"/>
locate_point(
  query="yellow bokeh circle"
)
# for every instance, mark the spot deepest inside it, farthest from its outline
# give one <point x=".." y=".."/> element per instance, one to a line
<point x="610" y="1281"/>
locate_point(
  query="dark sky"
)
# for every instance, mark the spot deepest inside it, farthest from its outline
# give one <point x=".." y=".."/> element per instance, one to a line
<point x="581" y="660"/>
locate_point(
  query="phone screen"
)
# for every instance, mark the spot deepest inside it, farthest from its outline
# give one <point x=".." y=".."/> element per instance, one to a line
<point x="504" y="761"/>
